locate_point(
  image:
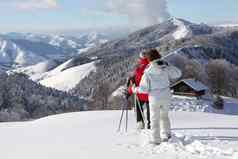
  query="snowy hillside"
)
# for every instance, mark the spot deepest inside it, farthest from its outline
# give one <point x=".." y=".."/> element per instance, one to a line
<point x="40" y="75"/>
<point x="90" y="135"/>
<point x="38" y="68"/>
<point x="12" y="54"/>
<point x="182" y="30"/>
<point x="65" y="80"/>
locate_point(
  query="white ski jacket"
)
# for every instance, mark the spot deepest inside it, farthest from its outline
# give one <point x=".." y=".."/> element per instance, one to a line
<point x="156" y="80"/>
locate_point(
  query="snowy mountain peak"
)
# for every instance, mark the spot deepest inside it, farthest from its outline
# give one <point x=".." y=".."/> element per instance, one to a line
<point x="93" y="36"/>
<point x="179" y="20"/>
<point x="182" y="30"/>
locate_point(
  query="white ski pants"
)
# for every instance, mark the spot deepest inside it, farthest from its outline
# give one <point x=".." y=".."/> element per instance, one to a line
<point x="160" y="123"/>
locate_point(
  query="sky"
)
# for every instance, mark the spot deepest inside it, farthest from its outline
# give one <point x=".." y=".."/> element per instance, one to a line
<point x="52" y="15"/>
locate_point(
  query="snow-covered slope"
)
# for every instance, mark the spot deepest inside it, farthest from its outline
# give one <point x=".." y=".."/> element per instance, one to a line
<point x="37" y="69"/>
<point x="38" y="76"/>
<point x="65" y="80"/>
<point x="182" y="30"/>
<point x="90" y="135"/>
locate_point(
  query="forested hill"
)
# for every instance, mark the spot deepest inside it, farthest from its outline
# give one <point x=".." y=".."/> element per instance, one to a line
<point x="22" y="99"/>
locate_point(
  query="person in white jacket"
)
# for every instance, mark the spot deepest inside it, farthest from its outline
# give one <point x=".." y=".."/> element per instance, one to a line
<point x="156" y="82"/>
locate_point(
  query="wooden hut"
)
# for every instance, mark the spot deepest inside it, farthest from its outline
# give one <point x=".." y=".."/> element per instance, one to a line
<point x="189" y="87"/>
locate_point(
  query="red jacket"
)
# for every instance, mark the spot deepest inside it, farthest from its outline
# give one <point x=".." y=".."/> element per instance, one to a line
<point x="138" y="73"/>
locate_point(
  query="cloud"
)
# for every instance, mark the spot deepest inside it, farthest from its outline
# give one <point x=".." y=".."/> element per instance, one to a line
<point x="37" y="4"/>
<point x="31" y="4"/>
<point x="140" y="12"/>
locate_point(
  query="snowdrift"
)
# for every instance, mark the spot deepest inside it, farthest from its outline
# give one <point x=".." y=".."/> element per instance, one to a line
<point x="91" y="135"/>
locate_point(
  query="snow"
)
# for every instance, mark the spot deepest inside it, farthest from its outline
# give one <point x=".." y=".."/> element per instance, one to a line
<point x="197" y="85"/>
<point x="37" y="69"/>
<point x="69" y="78"/>
<point x="15" y="54"/>
<point x="190" y="104"/>
<point x="56" y="40"/>
<point x="60" y="40"/>
<point x="231" y="106"/>
<point x="72" y="43"/>
<point x="90" y="135"/>
<point x="182" y="31"/>
<point x="84" y="50"/>
<point x="61" y="67"/>
<point x="11" y="53"/>
<point x="228" y="25"/>
<point x="55" y="71"/>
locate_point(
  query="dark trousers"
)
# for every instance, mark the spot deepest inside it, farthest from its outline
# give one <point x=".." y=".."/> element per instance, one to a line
<point x="139" y="108"/>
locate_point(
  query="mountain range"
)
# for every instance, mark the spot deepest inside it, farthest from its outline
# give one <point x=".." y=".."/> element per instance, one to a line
<point x="91" y="66"/>
<point x="19" y="50"/>
<point x="173" y="37"/>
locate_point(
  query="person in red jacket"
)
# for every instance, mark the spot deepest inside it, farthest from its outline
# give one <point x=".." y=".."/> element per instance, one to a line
<point x="142" y="99"/>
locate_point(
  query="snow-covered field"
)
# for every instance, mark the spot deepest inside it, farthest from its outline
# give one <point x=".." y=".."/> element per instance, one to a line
<point x="192" y="104"/>
<point x="90" y="135"/>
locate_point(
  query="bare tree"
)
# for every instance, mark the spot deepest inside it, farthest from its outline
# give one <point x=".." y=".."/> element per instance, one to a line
<point x="100" y="96"/>
<point x="216" y="71"/>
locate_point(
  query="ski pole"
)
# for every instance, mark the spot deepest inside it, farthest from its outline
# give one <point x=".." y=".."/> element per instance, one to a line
<point x="122" y="114"/>
<point x="126" y="117"/>
<point x="140" y="109"/>
<point x="124" y="108"/>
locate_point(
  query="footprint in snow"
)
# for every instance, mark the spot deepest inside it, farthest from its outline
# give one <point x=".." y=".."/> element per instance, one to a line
<point x="181" y="144"/>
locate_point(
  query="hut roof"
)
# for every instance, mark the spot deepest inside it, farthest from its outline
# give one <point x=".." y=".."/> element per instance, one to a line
<point x="195" y="84"/>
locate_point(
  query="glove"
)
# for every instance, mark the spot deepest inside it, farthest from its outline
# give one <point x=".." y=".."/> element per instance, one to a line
<point x="161" y="62"/>
<point x="126" y="94"/>
<point x="133" y="88"/>
<point x="130" y="81"/>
